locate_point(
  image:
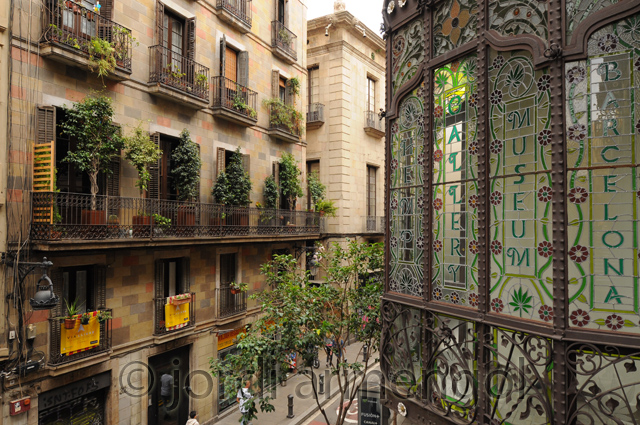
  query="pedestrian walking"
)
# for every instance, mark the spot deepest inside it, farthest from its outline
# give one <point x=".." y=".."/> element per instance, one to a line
<point x="328" y="348"/>
<point x="193" y="418"/>
<point x="166" y="388"/>
<point x="244" y="398"/>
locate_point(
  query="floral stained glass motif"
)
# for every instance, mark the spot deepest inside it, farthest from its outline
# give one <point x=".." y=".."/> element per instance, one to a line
<point x="603" y="197"/>
<point x="520" y="190"/>
<point x="455" y="200"/>
<point x="579" y="10"/>
<point x="455" y="23"/>
<point x="406" y="197"/>
<point x="522" y="17"/>
<point x="407" y="53"/>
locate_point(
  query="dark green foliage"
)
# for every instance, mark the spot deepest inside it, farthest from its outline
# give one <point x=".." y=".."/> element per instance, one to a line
<point x="186" y="167"/>
<point x="141" y="152"/>
<point x="290" y="179"/>
<point x="316" y="188"/>
<point x="233" y="186"/>
<point x="271" y="192"/>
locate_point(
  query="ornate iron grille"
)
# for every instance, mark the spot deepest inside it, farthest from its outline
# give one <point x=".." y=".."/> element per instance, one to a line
<point x="512" y="199"/>
<point x="179" y="72"/>
<point x="282" y="38"/>
<point x="229" y="303"/>
<point x="233" y="96"/>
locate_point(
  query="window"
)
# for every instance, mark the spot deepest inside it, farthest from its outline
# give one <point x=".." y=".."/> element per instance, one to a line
<point x="173" y="33"/>
<point x="77" y="285"/>
<point x="80" y="23"/>
<point x="172" y="279"/>
<point x="371" y="94"/>
<point x="227" y="269"/>
<point x="281" y="11"/>
<point x="177" y="36"/>
<point x="161" y="185"/>
<point x="314" y="85"/>
<point x="224" y="158"/>
<point x="231" y="64"/>
<point x="312" y="166"/>
<point x="282" y="89"/>
<point x="371" y="190"/>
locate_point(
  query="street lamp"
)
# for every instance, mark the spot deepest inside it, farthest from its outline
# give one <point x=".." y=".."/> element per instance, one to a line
<point x="44" y="299"/>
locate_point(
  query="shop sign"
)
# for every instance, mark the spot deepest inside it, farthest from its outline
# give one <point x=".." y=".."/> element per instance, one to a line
<point x="369" y="408"/>
<point x="80" y="338"/>
<point x="228" y="339"/>
<point x="176" y="316"/>
<point x="73" y="391"/>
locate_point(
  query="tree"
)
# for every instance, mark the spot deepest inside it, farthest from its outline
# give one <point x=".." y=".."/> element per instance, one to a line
<point x="233" y="186"/>
<point x="316" y="188"/>
<point x="296" y="317"/>
<point x="186" y="167"/>
<point x="90" y="123"/>
<point x="141" y="152"/>
<point x="290" y="179"/>
<point x="271" y="191"/>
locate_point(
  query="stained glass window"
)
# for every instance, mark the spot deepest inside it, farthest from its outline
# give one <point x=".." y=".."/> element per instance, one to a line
<point x="510" y="18"/>
<point x="579" y="10"/>
<point x="407" y="53"/>
<point x="455" y="199"/>
<point x="406" y="196"/>
<point x="603" y="94"/>
<point x="455" y="23"/>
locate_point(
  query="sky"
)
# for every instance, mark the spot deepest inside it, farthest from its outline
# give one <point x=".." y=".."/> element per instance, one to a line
<point x="368" y="12"/>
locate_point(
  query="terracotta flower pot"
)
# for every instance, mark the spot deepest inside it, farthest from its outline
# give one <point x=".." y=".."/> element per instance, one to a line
<point x="69" y="323"/>
<point x="235" y="291"/>
<point x="92" y="217"/>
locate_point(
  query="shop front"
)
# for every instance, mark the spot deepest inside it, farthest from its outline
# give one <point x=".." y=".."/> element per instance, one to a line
<point x="82" y="402"/>
<point x="169" y="378"/>
<point x="226" y="346"/>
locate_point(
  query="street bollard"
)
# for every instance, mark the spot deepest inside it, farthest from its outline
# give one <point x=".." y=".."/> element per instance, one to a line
<point x="365" y="353"/>
<point x="321" y="391"/>
<point x="290" y="405"/>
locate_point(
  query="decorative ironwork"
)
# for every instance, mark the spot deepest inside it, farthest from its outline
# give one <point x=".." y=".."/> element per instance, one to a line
<point x="374" y="224"/>
<point x="315" y="113"/>
<point x="234" y="97"/>
<point x="160" y="328"/>
<point x="510" y="18"/>
<point x="283" y="39"/>
<point x="455" y="23"/>
<point x="178" y="72"/>
<point x="407" y="53"/>
<point x="55" y="335"/>
<point x="230" y="303"/>
<point x="241" y="9"/>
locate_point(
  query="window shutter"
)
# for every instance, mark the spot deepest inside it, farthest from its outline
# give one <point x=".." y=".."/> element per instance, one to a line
<point x="243" y="69"/>
<point x="56" y="278"/>
<point x="276" y="176"/>
<point x="106" y="9"/>
<point x="159" y="22"/>
<point x="100" y="286"/>
<point x="288" y="97"/>
<point x="113" y="185"/>
<point x="105" y="30"/>
<point x="246" y="163"/>
<point x="197" y="198"/>
<point x="159" y="279"/>
<point x="153" y="189"/>
<point x="46" y="119"/>
<point x="220" y="160"/>
<point x="223" y="51"/>
<point x="275" y="84"/>
<point x="186" y="274"/>
<point x="191" y="38"/>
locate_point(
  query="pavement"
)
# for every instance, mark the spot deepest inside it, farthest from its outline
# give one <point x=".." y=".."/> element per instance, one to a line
<point x="305" y="408"/>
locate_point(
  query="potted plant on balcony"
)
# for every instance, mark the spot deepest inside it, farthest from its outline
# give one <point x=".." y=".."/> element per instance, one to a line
<point x="326" y="207"/>
<point x="141" y="152"/>
<point x="220" y="193"/>
<point x="240" y="105"/>
<point x="84" y="318"/>
<point x="186" y="176"/>
<point x="238" y="287"/>
<point x="90" y="123"/>
<point x="161" y="223"/>
<point x="73" y="310"/>
<point x="233" y="189"/>
<point x="316" y="189"/>
<point x="271" y="194"/>
<point x="290" y="185"/>
<point x="103" y="316"/>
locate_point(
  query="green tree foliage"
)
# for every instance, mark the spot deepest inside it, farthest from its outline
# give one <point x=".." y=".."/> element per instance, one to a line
<point x="316" y="189"/>
<point x="271" y="192"/>
<point x="90" y="123"/>
<point x="141" y="152"/>
<point x="296" y="317"/>
<point x="290" y="179"/>
<point x="233" y="185"/>
<point x="186" y="167"/>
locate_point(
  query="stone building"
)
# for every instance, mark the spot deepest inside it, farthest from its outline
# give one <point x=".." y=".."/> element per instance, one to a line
<point x="345" y="136"/>
<point x="205" y="66"/>
<point x="513" y="278"/>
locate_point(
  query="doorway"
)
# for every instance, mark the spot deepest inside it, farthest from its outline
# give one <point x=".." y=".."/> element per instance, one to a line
<point x="169" y="400"/>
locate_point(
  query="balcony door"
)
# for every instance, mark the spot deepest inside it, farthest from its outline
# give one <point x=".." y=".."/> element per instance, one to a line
<point x="82" y="25"/>
<point x="173" y="41"/>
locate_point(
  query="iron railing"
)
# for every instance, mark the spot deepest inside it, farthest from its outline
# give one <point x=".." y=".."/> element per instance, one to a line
<point x="179" y="72"/>
<point x="231" y="95"/>
<point x="374" y="224"/>
<point x="279" y="112"/>
<point x="241" y="9"/>
<point x="160" y="328"/>
<point x="230" y="304"/>
<point x="55" y="341"/>
<point x="371" y="120"/>
<point x="68" y="24"/>
<point x="282" y="38"/>
<point x="143" y="218"/>
<point x="316" y="113"/>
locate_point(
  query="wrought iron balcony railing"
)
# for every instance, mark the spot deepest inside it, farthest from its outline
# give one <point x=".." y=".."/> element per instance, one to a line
<point x="230" y="303"/>
<point x="282" y="38"/>
<point x="316" y="113"/>
<point x="372" y="120"/>
<point x="374" y="224"/>
<point x="57" y="357"/>
<point x="68" y="24"/>
<point x="160" y="320"/>
<point x="176" y="71"/>
<point x="153" y="219"/>
<point x="231" y="95"/>
<point x="240" y="9"/>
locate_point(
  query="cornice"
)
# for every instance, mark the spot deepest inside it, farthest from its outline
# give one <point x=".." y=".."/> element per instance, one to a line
<point x="348" y="21"/>
<point x="343" y="45"/>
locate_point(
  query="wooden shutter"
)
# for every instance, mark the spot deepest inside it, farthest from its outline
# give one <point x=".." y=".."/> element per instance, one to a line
<point x="44" y="180"/>
<point x="223" y="51"/>
<point x="106" y="9"/>
<point x="105" y="30"/>
<point x="197" y="198"/>
<point x="186" y="275"/>
<point x="275" y="170"/>
<point x="275" y="84"/>
<point x="159" y="279"/>
<point x="113" y="185"/>
<point x="243" y="69"/>
<point x="159" y="23"/>
<point x="153" y="189"/>
<point x="190" y="35"/>
<point x="100" y="286"/>
<point x="246" y="163"/>
<point x="46" y="124"/>
<point x="231" y="65"/>
<point x="220" y="155"/>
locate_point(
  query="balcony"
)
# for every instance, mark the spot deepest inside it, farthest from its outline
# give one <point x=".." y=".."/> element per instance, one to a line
<point x="234" y="102"/>
<point x="374" y="224"/>
<point x="283" y="42"/>
<point x="57" y="354"/>
<point x="315" y="116"/>
<point x="285" y="123"/>
<point x="237" y="13"/>
<point x="373" y="124"/>
<point x="161" y="318"/>
<point x="68" y="32"/>
<point x="178" y="78"/>
<point x="126" y="222"/>
<point x="230" y="304"/>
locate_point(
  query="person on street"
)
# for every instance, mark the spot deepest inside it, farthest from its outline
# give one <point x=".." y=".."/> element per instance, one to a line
<point x="193" y="418"/>
<point x="339" y="349"/>
<point x="243" y="398"/>
<point x="328" y="347"/>
<point x="166" y="388"/>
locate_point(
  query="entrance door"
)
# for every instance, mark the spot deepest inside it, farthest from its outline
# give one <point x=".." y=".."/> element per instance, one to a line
<point x="169" y="399"/>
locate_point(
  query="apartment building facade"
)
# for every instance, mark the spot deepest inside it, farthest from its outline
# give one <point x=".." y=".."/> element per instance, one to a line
<point x="204" y="66"/>
<point x="345" y="135"/>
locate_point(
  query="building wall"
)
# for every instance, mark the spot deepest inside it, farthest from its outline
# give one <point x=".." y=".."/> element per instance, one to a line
<point x="345" y="59"/>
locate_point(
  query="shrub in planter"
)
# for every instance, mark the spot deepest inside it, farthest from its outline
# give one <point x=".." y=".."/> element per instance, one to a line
<point x="186" y="176"/>
<point x="290" y="180"/>
<point x="233" y="188"/>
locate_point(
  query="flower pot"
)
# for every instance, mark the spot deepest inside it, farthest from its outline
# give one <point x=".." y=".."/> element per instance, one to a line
<point x="69" y="323"/>
<point x="186" y="217"/>
<point x="235" y="291"/>
<point x="141" y="226"/>
<point x="92" y="217"/>
<point x="84" y="321"/>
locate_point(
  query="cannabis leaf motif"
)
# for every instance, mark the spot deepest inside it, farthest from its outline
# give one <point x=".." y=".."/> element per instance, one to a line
<point x="521" y="301"/>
